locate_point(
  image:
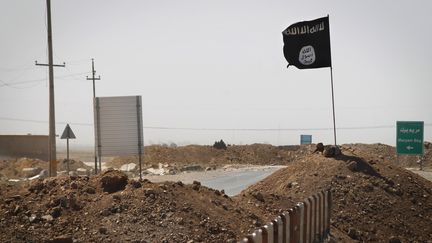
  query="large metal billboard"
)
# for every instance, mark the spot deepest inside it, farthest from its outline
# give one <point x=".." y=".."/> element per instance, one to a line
<point x="118" y="125"/>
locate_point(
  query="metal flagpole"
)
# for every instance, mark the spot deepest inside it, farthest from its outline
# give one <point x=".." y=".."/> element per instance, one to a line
<point x="334" y="116"/>
<point x="332" y="90"/>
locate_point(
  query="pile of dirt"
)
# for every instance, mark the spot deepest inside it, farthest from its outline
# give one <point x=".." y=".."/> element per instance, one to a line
<point x="93" y="209"/>
<point x="389" y="153"/>
<point x="73" y="165"/>
<point x="373" y="199"/>
<point x="208" y="156"/>
<point x="13" y="168"/>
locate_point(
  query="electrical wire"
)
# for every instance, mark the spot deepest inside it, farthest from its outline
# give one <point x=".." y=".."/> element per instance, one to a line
<point x="224" y="129"/>
<point x="8" y="84"/>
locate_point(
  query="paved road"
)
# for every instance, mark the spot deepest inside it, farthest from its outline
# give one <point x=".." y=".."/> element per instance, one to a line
<point x="234" y="182"/>
<point x="426" y="174"/>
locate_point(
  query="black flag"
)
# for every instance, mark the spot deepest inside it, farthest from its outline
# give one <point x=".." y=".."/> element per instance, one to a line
<point x="307" y="44"/>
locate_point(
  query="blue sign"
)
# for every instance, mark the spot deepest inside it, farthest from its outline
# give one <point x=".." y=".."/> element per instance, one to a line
<point x="305" y="139"/>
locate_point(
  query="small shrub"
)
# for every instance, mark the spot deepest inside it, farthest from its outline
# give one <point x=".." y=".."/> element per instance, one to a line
<point x="219" y="145"/>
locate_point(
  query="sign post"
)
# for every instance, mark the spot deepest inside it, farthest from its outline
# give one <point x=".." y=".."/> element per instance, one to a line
<point x="67" y="134"/>
<point x="409" y="137"/>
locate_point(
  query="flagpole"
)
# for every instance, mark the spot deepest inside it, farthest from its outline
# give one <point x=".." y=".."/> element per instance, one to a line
<point x="334" y="116"/>
<point x="332" y="90"/>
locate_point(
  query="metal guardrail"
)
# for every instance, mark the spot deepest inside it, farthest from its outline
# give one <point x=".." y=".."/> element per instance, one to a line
<point x="307" y="222"/>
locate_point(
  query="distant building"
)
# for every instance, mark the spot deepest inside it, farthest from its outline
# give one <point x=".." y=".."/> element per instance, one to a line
<point x="31" y="146"/>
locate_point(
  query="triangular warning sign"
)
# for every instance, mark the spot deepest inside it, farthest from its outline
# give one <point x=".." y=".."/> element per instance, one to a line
<point x="67" y="133"/>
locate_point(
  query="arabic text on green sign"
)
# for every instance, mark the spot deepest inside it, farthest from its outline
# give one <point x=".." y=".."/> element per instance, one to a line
<point x="409" y="137"/>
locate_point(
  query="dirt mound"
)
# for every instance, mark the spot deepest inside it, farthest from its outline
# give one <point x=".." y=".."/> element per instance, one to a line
<point x="259" y="154"/>
<point x="113" y="180"/>
<point x="13" y="169"/>
<point x="16" y="168"/>
<point x="389" y="153"/>
<point x="77" y="209"/>
<point x="373" y="200"/>
<point x="73" y="165"/>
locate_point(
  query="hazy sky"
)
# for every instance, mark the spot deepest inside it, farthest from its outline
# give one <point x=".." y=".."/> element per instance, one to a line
<point x="219" y="65"/>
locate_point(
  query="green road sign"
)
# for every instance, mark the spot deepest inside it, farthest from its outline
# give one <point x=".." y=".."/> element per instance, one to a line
<point x="409" y="137"/>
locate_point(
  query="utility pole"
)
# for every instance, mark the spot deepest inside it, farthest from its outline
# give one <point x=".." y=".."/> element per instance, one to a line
<point x="94" y="96"/>
<point x="52" y="135"/>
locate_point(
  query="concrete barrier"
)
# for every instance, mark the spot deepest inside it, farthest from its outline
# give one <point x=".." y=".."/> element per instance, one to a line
<point x="268" y="233"/>
<point x="287" y="226"/>
<point x="307" y="222"/>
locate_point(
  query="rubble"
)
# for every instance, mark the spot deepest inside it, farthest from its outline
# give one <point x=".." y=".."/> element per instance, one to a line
<point x="374" y="199"/>
<point x="55" y="209"/>
<point x="372" y="202"/>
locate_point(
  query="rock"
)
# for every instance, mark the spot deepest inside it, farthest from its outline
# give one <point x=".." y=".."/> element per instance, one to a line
<point x="30" y="172"/>
<point x="43" y="174"/>
<point x="149" y="191"/>
<point x="16" y="210"/>
<point x="353" y="233"/>
<point x="196" y="183"/>
<point x="74" y="185"/>
<point x="352" y="165"/>
<point x="103" y="230"/>
<point x="258" y="196"/>
<point x="191" y="168"/>
<point x="128" y="167"/>
<point x="113" y="181"/>
<point x="73" y="173"/>
<point x="195" y="187"/>
<point x="82" y="172"/>
<point x="292" y="184"/>
<point x="32" y="218"/>
<point x="160" y="171"/>
<point x="116" y="197"/>
<point x="394" y="239"/>
<point x="105" y="212"/>
<point x="74" y="204"/>
<point x="90" y="190"/>
<point x="48" y="218"/>
<point x="56" y="212"/>
<point x="368" y="187"/>
<point x="62" y="239"/>
<point x="135" y="183"/>
<point x="61" y="201"/>
<point x="319" y="148"/>
<point x="16" y="197"/>
<point x="331" y="151"/>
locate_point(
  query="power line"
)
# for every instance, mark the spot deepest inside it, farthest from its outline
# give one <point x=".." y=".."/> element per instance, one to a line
<point x="223" y="129"/>
<point x="13" y="87"/>
<point x="39" y="80"/>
